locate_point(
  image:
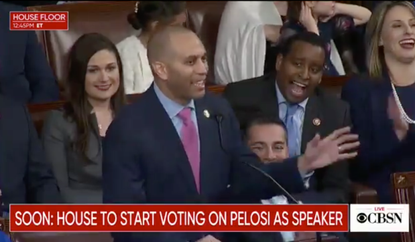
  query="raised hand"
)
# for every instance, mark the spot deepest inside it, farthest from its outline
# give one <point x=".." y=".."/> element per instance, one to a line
<point x="339" y="145"/>
<point x="399" y="125"/>
<point x="307" y="19"/>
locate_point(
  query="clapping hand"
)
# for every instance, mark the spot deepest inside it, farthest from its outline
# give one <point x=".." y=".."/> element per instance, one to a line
<point x="339" y="145"/>
<point x="399" y="125"/>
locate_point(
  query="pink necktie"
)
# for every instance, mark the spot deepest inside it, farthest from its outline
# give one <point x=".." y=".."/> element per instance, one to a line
<point x="190" y="140"/>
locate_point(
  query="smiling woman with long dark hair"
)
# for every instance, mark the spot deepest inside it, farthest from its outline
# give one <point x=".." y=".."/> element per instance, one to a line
<point x="72" y="136"/>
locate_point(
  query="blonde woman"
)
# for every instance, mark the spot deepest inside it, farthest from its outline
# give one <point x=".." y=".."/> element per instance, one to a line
<point x="382" y="102"/>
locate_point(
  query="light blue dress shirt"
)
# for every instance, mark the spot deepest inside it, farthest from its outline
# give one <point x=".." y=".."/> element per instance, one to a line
<point x="173" y="108"/>
<point x="298" y="118"/>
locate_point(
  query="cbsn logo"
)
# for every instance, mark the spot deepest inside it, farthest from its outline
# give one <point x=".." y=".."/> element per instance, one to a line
<point x="46" y="20"/>
<point x="379" y="218"/>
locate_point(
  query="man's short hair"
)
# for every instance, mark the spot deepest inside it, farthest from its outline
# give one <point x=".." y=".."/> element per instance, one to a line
<point x="160" y="43"/>
<point x="263" y="120"/>
<point x="307" y="37"/>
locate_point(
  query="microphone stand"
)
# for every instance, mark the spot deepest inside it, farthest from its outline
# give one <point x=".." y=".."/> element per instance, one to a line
<point x="319" y="237"/>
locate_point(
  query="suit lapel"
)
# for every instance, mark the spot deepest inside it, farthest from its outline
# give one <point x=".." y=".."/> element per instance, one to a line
<point x="269" y="103"/>
<point x="381" y="89"/>
<point x="269" y="106"/>
<point x="312" y="121"/>
<point x="205" y="129"/>
<point x="171" y="143"/>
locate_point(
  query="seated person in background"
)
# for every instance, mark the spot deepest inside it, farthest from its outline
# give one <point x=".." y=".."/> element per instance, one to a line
<point x="382" y="102"/>
<point x="344" y="42"/>
<point x="294" y="97"/>
<point x="245" y="30"/>
<point x="72" y="136"/>
<point x="267" y="137"/>
<point x="25" y="176"/>
<point x="25" y="74"/>
<point x="321" y="17"/>
<point x="147" y="17"/>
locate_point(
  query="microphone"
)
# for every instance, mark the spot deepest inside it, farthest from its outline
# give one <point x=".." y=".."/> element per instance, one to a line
<point x="219" y="118"/>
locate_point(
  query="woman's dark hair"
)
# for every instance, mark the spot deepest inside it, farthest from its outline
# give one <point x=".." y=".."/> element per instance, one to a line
<point x="294" y="10"/>
<point x="148" y="11"/>
<point x="78" y="109"/>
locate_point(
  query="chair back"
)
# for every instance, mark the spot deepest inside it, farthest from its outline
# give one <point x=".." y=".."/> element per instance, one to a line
<point x="403" y="184"/>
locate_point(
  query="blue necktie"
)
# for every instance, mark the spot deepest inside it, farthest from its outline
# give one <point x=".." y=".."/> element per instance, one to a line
<point x="292" y="129"/>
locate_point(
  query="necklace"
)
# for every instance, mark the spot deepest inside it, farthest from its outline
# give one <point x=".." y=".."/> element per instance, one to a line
<point x="404" y="116"/>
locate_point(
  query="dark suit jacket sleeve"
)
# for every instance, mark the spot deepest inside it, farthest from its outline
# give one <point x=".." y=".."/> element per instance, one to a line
<point x="40" y="182"/>
<point x="123" y="179"/>
<point x="38" y="72"/>
<point x="372" y="153"/>
<point x="246" y="181"/>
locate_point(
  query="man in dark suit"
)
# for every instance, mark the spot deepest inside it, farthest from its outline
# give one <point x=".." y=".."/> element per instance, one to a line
<point x="294" y="97"/>
<point x="166" y="147"/>
<point x="25" y="176"/>
<point x="25" y="74"/>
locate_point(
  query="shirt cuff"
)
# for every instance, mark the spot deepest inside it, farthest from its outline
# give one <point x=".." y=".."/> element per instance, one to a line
<point x="306" y="179"/>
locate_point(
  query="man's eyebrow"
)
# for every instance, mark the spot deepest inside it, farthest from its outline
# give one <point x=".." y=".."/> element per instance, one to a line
<point x="279" y="142"/>
<point x="195" y="56"/>
<point x="258" y="143"/>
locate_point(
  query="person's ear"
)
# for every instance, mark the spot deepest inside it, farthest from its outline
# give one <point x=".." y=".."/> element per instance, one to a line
<point x="159" y="69"/>
<point x="279" y="62"/>
<point x="154" y="25"/>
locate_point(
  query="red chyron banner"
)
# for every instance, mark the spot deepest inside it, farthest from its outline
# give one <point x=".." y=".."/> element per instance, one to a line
<point x="43" y="20"/>
<point x="178" y="218"/>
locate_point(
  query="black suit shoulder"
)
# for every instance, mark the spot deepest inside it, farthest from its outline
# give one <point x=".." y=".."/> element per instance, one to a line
<point x="16" y="118"/>
<point x="247" y="93"/>
<point x="6" y="7"/>
<point x="10" y="107"/>
<point x="332" y="108"/>
<point x="247" y="86"/>
<point x="218" y="103"/>
<point x="330" y="100"/>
